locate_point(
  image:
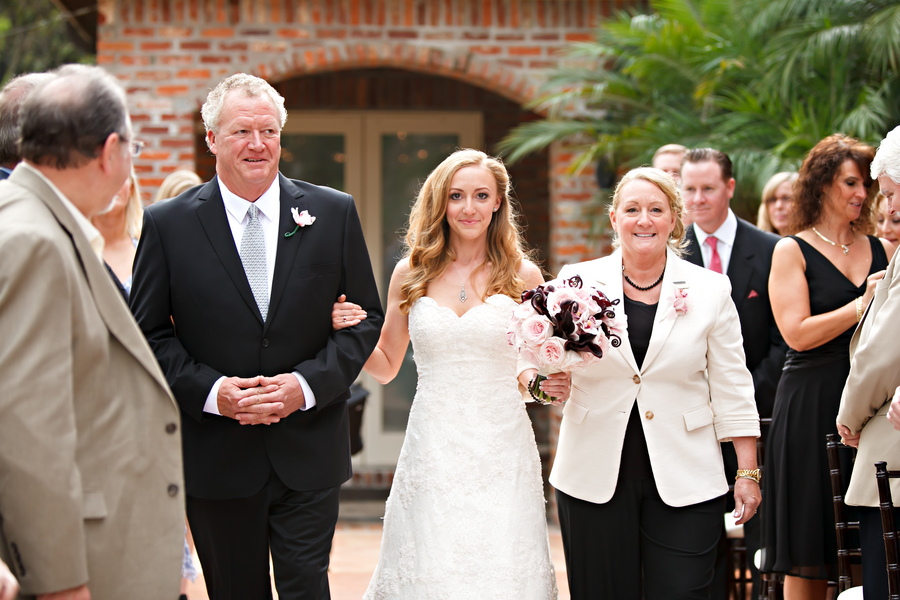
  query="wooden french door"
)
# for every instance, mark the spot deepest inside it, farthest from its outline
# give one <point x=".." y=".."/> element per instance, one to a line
<point x="381" y="159"/>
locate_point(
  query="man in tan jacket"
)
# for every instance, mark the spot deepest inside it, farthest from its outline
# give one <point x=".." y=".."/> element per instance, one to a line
<point x="91" y="491"/>
<point x="874" y="377"/>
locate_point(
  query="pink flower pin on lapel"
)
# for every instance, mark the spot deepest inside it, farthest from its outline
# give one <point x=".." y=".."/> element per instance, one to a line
<point x="680" y="303"/>
<point x="302" y="219"/>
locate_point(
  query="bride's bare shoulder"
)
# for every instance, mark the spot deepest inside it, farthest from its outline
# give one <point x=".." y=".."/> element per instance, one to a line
<point x="530" y="273"/>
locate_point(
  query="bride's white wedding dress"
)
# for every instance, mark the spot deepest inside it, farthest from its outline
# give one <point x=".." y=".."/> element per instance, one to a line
<point x="465" y="517"/>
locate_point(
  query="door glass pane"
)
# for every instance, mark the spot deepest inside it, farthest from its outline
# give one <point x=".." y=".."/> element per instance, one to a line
<point x="316" y="158"/>
<point x="407" y="159"/>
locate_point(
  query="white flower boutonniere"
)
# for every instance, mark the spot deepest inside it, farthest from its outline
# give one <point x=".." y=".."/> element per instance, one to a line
<point x="302" y="219"/>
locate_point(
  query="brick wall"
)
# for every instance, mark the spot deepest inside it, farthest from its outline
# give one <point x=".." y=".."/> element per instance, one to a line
<point x="169" y="53"/>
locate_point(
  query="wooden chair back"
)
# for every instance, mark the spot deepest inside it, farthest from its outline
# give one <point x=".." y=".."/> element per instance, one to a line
<point x="842" y="524"/>
<point x="889" y="527"/>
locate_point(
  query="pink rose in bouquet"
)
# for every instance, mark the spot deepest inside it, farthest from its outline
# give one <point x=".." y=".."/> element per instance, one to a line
<point x="552" y="352"/>
<point x="564" y="326"/>
<point x="537" y="329"/>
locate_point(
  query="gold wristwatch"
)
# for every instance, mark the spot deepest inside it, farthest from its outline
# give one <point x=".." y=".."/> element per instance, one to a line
<point x="753" y="474"/>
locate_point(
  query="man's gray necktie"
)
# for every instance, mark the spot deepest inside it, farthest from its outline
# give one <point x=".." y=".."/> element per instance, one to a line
<point x="253" y="257"/>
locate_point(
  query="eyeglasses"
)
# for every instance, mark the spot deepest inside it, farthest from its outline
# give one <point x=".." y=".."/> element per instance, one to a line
<point x="136" y="147"/>
<point x="785" y="199"/>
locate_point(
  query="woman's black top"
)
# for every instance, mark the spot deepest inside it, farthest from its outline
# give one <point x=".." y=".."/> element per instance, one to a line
<point x="635" y="458"/>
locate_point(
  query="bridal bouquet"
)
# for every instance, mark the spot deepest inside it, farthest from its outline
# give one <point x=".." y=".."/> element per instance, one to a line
<point x="563" y="326"/>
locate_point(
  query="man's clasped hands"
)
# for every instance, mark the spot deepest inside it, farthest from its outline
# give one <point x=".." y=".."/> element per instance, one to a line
<point x="260" y="400"/>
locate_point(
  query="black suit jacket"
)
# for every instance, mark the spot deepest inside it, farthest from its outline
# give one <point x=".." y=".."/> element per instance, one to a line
<point x="748" y="270"/>
<point x="191" y="297"/>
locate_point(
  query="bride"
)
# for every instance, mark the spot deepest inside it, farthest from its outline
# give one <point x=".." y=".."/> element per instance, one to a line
<point x="465" y="517"/>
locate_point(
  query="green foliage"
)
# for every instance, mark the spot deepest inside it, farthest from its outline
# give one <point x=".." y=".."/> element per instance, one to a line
<point x="763" y="80"/>
<point x="34" y="38"/>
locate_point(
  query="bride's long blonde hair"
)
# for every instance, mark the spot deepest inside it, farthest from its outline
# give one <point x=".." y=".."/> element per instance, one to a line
<point x="428" y="234"/>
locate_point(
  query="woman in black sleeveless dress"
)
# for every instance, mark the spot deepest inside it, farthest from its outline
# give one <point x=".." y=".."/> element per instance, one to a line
<point x="821" y="281"/>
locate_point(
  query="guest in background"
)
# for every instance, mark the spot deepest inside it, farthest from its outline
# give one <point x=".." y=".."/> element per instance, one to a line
<point x="668" y="160"/>
<point x="11" y="97"/>
<point x="720" y="241"/>
<point x="120" y="226"/>
<point x="822" y="279"/>
<point x="176" y="182"/>
<point x="777" y="198"/>
<point x="638" y="475"/>
<point x="888" y="223"/>
<point x="874" y="377"/>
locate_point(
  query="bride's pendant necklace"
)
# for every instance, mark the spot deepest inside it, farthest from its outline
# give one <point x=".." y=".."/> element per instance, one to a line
<point x="843" y="246"/>
<point x="643" y="289"/>
<point x="462" y="286"/>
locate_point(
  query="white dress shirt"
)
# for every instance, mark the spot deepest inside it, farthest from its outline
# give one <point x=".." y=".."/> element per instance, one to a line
<point x="87" y="228"/>
<point x="236" y="208"/>
<point x="725" y="234"/>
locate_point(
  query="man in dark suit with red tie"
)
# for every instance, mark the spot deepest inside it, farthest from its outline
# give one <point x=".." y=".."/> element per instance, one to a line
<point x="720" y="241"/>
<point x="234" y="283"/>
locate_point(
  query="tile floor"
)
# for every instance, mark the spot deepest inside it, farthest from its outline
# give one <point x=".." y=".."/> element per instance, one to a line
<point x="355" y="554"/>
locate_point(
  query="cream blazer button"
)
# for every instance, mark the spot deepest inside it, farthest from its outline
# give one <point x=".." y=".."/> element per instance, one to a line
<point x="649" y="414"/>
<point x="636" y="379"/>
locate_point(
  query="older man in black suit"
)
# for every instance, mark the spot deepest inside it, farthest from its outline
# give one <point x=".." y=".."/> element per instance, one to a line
<point x="234" y="283"/>
<point x="720" y="241"/>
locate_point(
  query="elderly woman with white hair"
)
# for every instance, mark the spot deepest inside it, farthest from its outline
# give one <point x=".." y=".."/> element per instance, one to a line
<point x="866" y="402"/>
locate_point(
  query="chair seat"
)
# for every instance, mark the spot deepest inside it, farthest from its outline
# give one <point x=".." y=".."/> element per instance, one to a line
<point x="732" y="531"/>
<point x="854" y="593"/>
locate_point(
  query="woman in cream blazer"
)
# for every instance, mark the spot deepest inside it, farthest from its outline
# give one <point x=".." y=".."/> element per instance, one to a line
<point x="874" y="378"/>
<point x="641" y="513"/>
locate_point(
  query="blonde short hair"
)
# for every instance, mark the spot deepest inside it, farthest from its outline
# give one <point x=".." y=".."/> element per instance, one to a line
<point x="667" y="186"/>
<point x="762" y="217"/>
<point x="177" y="182"/>
<point x="670" y="149"/>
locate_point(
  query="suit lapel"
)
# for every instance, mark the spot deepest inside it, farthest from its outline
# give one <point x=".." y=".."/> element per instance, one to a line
<point x="665" y="316"/>
<point x="211" y="213"/>
<point x="110" y="304"/>
<point x="608" y="275"/>
<point x="287" y="246"/>
<point x="692" y="252"/>
<point x="740" y="265"/>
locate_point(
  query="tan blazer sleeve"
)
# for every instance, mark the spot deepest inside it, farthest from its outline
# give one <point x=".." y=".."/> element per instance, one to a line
<point x="730" y="383"/>
<point x="40" y="486"/>
<point x="875" y="363"/>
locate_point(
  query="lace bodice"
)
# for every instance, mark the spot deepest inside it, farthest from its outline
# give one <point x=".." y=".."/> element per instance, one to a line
<point x="465" y="518"/>
<point x="465" y="357"/>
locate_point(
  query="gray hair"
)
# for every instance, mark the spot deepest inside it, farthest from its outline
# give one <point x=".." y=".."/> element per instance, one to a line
<point x="253" y="87"/>
<point x="12" y="96"/>
<point x="66" y="121"/>
<point x="887" y="158"/>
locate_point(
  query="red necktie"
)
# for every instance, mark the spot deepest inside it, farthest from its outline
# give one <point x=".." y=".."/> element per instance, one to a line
<point x="715" y="263"/>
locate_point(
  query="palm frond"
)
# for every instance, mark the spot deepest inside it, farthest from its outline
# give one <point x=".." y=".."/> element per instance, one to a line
<point x="882" y="34"/>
